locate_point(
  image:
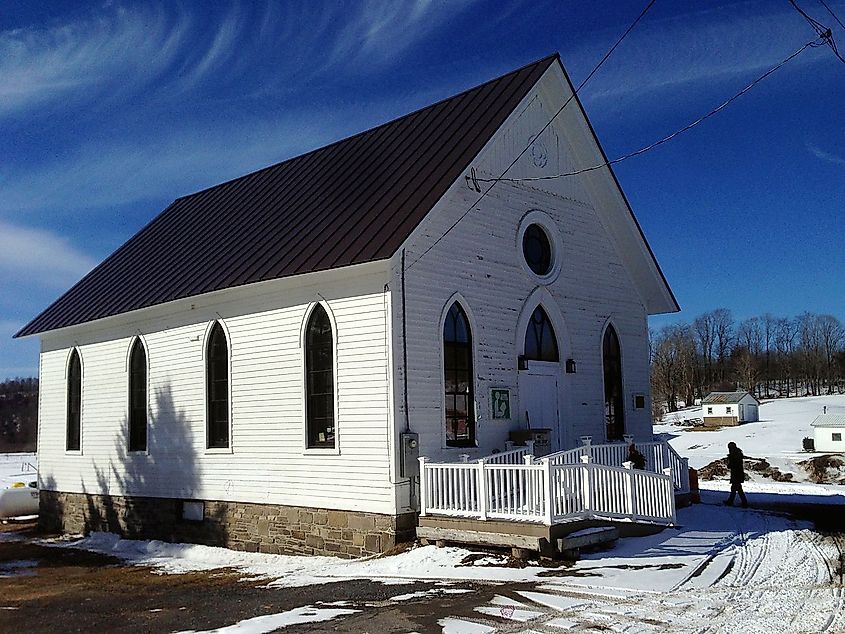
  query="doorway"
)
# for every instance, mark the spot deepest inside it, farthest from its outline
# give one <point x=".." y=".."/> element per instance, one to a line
<point x="538" y="399"/>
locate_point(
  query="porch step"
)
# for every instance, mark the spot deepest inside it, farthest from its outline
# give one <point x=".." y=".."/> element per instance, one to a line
<point x="570" y="546"/>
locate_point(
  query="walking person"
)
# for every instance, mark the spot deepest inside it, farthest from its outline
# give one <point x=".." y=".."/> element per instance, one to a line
<point x="737" y="469"/>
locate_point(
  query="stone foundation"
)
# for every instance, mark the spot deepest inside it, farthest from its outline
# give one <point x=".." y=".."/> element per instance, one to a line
<point x="266" y="528"/>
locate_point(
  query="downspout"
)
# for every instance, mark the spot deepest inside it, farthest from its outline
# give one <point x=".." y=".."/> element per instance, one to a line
<point x="405" y="350"/>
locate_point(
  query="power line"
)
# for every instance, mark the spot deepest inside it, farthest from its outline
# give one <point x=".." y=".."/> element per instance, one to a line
<point x="824" y="32"/>
<point x="527" y="147"/>
<point x="812" y="44"/>
<point x="833" y="15"/>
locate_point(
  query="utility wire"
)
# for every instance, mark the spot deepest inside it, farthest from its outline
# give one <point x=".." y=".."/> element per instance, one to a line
<point x="527" y="147"/>
<point x="833" y="15"/>
<point x="821" y="30"/>
<point x="818" y="26"/>
<point x="812" y="44"/>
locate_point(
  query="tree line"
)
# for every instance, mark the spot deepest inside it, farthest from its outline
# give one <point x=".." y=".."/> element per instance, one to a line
<point x="766" y="355"/>
<point x="18" y="414"/>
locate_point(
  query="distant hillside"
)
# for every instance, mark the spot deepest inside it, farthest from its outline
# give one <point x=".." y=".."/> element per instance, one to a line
<point x="18" y="414"/>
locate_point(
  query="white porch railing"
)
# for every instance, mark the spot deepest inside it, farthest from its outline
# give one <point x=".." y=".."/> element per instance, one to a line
<point x="516" y="455"/>
<point x="545" y="492"/>
<point x="658" y="456"/>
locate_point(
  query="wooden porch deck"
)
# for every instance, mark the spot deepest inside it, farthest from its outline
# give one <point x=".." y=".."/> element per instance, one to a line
<point x="512" y="499"/>
<point x="538" y="538"/>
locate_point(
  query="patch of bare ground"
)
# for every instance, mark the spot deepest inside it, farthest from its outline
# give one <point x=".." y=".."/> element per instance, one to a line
<point x="51" y="589"/>
<point x="718" y="470"/>
<point x="827" y="469"/>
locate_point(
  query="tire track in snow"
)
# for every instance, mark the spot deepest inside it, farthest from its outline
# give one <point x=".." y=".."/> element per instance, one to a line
<point x="780" y="583"/>
<point x="815" y="541"/>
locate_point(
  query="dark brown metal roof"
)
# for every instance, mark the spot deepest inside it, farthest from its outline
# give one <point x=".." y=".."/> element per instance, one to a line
<point x="353" y="201"/>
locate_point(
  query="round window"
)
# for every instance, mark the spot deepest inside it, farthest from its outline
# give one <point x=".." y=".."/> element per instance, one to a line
<point x="537" y="250"/>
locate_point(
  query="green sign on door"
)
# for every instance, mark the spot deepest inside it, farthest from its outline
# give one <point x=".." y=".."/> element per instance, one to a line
<point x="501" y="401"/>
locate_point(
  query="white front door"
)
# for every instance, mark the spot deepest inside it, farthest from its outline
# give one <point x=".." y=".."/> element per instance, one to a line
<point x="538" y="399"/>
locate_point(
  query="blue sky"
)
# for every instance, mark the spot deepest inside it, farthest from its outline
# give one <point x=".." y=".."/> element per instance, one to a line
<point x="110" y="111"/>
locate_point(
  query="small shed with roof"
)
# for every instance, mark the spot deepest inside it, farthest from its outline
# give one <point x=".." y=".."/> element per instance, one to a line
<point x="828" y="432"/>
<point x="719" y="409"/>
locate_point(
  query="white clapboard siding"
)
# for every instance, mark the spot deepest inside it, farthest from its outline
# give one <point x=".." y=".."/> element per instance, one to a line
<point x="481" y="260"/>
<point x="268" y="462"/>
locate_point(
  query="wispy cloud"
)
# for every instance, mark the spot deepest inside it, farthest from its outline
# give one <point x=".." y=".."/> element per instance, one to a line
<point x="15" y="353"/>
<point x="170" y="164"/>
<point x="85" y="59"/>
<point x="40" y="257"/>
<point x="691" y="50"/>
<point x="223" y="45"/>
<point x="826" y="156"/>
<point x="358" y="37"/>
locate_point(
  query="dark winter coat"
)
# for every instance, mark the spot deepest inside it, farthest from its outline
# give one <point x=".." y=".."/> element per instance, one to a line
<point x="736" y="466"/>
<point x="637" y="459"/>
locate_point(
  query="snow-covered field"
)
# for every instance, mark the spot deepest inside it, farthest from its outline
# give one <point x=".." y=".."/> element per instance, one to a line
<point x="17" y="467"/>
<point x="777" y="436"/>
<point x="722" y="570"/>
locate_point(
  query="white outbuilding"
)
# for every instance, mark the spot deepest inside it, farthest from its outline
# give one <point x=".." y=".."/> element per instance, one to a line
<point x="828" y="432"/>
<point x="719" y="409"/>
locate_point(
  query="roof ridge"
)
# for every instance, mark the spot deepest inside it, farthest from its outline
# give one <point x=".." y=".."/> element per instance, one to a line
<point x="547" y="58"/>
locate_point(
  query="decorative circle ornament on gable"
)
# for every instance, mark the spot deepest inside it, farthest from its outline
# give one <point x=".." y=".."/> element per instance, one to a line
<point x="540" y="248"/>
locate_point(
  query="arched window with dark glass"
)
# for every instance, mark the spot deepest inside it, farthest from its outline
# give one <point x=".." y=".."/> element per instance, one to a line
<point x="138" y="397"/>
<point x="74" y="403"/>
<point x="614" y="403"/>
<point x="540" y="340"/>
<point x="319" y="380"/>
<point x="217" y="388"/>
<point x="458" y="374"/>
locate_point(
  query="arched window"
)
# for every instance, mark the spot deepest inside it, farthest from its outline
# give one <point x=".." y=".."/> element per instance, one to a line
<point x="614" y="403"/>
<point x="457" y="370"/>
<point x="217" y="387"/>
<point x="74" y="403"/>
<point x="319" y="380"/>
<point x="540" y="340"/>
<point x="138" y="397"/>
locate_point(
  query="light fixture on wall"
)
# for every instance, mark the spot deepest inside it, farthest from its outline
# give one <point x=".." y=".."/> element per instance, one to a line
<point x="570" y="366"/>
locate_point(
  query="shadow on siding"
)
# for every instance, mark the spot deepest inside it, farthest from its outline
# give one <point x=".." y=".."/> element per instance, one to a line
<point x="142" y="495"/>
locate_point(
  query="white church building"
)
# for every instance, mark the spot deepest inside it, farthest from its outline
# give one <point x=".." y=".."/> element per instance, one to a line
<point x="262" y="364"/>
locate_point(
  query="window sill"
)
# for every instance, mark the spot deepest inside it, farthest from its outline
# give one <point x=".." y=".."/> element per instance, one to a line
<point x="321" y="451"/>
<point x="138" y="452"/>
<point x="73" y="452"/>
<point x="218" y="450"/>
<point x="460" y="447"/>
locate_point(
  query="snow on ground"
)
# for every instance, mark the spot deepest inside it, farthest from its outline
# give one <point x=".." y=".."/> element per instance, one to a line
<point x="17" y="467"/>
<point x="274" y="622"/>
<point x="777" y="436"/>
<point x="720" y="570"/>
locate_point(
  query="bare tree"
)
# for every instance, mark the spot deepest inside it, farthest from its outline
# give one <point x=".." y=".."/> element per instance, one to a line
<point x="723" y="327"/>
<point x="786" y="334"/>
<point x="768" y="323"/>
<point x="831" y="336"/>
<point x="749" y="337"/>
<point x="704" y="328"/>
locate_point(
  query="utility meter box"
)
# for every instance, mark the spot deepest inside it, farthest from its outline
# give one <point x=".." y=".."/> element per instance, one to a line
<point x="409" y="460"/>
